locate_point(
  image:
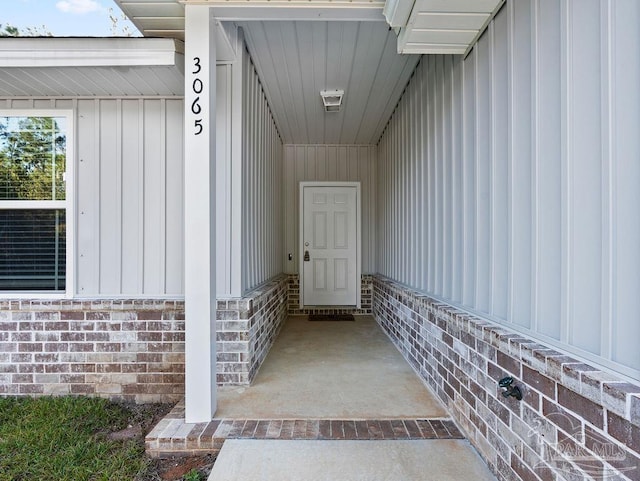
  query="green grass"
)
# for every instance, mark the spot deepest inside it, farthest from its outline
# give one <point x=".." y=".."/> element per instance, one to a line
<point x="64" y="439"/>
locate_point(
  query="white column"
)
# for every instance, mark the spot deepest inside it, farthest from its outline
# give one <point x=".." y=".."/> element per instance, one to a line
<point x="199" y="175"/>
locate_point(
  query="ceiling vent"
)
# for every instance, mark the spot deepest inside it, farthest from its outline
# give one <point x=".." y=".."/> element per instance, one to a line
<point x="332" y="100"/>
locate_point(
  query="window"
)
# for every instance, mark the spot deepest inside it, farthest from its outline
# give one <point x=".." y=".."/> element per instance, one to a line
<point x="34" y="201"/>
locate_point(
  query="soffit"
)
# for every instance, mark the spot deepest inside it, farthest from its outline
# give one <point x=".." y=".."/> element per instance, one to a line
<point x="440" y="26"/>
<point x="90" y="67"/>
<point x="296" y="60"/>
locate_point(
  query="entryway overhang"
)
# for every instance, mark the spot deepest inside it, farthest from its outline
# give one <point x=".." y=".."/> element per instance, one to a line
<point x="69" y="66"/>
<point x="422" y="26"/>
<point x="208" y="30"/>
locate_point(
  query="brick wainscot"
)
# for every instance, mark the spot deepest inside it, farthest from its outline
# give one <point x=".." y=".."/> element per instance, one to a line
<point x="574" y="422"/>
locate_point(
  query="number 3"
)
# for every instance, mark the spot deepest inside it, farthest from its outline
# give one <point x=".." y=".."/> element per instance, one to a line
<point x="196" y="64"/>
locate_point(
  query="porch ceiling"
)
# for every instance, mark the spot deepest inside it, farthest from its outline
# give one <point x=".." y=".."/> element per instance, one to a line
<point x="301" y="47"/>
<point x="296" y="60"/>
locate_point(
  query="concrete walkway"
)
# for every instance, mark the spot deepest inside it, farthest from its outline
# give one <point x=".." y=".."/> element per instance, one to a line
<point x="437" y="460"/>
<point x="333" y="401"/>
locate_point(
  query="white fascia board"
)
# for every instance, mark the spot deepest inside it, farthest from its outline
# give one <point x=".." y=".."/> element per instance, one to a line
<point x="89" y="52"/>
<point x="397" y="12"/>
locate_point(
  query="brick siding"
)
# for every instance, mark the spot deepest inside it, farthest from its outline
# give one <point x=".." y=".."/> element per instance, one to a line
<point x="246" y="329"/>
<point x="574" y="422"/>
<point x="125" y="349"/>
<point x="293" y="296"/>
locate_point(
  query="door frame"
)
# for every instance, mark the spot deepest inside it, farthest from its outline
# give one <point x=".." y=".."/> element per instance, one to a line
<point x="358" y="239"/>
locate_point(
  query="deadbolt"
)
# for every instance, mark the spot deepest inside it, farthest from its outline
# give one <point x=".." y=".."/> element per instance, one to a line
<point x="307" y="257"/>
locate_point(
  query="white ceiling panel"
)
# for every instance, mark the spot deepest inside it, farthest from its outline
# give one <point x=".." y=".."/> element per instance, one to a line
<point x="296" y="60"/>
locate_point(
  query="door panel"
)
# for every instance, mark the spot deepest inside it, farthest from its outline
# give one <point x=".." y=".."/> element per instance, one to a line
<point x="330" y="276"/>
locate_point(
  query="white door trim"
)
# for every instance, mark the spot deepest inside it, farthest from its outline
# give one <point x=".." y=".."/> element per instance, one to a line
<point x="358" y="236"/>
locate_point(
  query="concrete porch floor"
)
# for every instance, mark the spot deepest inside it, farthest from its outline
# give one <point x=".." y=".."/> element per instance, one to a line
<point x="321" y="381"/>
<point x="331" y="370"/>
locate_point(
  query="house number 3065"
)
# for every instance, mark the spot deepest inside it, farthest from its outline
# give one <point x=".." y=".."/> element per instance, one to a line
<point x="197" y="88"/>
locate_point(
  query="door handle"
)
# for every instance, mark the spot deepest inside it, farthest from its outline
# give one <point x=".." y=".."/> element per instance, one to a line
<point x="307" y="257"/>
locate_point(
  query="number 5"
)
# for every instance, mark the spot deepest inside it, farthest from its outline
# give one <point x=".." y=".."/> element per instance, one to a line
<point x="198" y="126"/>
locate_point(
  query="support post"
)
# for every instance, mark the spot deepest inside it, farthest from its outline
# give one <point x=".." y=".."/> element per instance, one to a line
<point x="199" y="228"/>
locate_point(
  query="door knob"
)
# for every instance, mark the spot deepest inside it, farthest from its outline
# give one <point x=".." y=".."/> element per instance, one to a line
<point x="307" y="257"/>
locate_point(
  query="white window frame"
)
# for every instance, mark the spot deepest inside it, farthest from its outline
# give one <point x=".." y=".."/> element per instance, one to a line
<point x="68" y="204"/>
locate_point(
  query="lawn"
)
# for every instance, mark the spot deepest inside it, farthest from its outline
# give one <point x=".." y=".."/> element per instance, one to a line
<point x="71" y="439"/>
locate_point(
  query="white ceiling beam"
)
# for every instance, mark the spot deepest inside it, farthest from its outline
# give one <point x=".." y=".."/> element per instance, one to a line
<point x="289" y="12"/>
<point x="89" y="52"/>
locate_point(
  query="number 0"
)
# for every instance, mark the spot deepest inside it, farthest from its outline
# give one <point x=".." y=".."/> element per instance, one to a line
<point x="197" y="86"/>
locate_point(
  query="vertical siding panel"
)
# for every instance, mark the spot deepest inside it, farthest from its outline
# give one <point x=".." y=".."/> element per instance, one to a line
<point x="373" y="213"/>
<point x="521" y="167"/>
<point x="332" y="162"/>
<point x="310" y="164"/>
<point x="87" y="197"/>
<point x="405" y="227"/>
<point x="458" y="213"/>
<point x="287" y="206"/>
<point x="321" y="162"/>
<point x="548" y="163"/>
<point x="438" y="186"/>
<point x="300" y="176"/>
<point x="606" y="295"/>
<point x="469" y="180"/>
<point x="174" y="281"/>
<point x="363" y="177"/>
<point x="500" y="167"/>
<point x="162" y="285"/>
<point x="109" y="216"/>
<point x="431" y="159"/>
<point x="153" y="222"/>
<point x="223" y="181"/>
<point x="483" y="170"/>
<point x="447" y="184"/>
<point x="131" y="160"/>
<point x="412" y="147"/>
<point x="424" y="174"/>
<point x="584" y="176"/>
<point x="625" y="193"/>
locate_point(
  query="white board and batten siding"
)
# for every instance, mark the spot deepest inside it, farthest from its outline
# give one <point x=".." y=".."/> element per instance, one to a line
<point x="336" y="163"/>
<point x="509" y="181"/>
<point x="129" y="194"/>
<point x="261" y="184"/>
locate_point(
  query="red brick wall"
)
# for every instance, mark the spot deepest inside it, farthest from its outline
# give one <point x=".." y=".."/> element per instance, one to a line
<point x="574" y="422"/>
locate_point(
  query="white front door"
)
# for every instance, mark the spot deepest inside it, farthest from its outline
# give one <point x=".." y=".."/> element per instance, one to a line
<point x="330" y="250"/>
